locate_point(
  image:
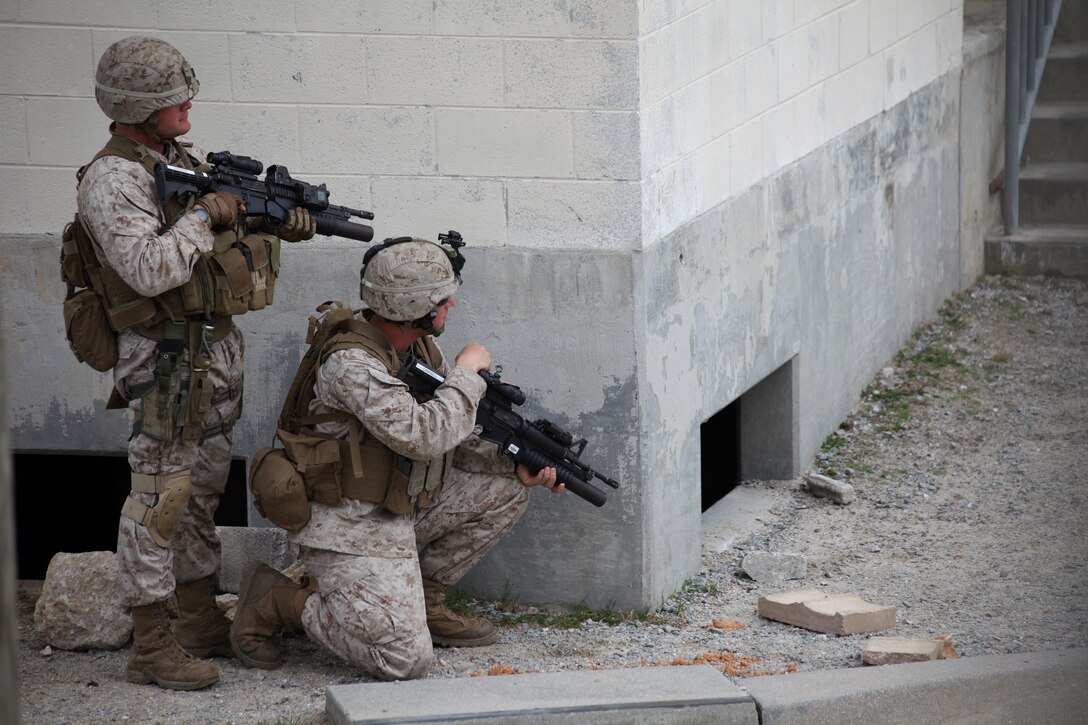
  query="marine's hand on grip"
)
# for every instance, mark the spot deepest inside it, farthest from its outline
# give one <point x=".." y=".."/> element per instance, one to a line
<point x="474" y="356"/>
<point x="223" y="208"/>
<point x="299" y="225"/>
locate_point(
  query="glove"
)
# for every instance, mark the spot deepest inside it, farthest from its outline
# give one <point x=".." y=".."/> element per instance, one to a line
<point x="223" y="208"/>
<point x="298" y="226"/>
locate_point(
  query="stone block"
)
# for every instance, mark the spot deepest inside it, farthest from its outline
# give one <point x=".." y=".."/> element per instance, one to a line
<point x="80" y="607"/>
<point x="897" y="650"/>
<point x="834" y="614"/>
<point x="772" y="566"/>
<point x="825" y="487"/>
<point x="496" y="142"/>
<point x="243" y="545"/>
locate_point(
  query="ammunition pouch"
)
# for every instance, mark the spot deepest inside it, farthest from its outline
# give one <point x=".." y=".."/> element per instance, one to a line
<point x="245" y="274"/>
<point x="161" y="520"/>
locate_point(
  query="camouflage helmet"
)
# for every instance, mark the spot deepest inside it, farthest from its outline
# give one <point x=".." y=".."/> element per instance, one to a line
<point x="138" y="75"/>
<point x="404" y="279"/>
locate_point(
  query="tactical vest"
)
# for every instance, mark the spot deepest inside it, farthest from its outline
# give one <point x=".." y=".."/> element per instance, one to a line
<point x="324" y="469"/>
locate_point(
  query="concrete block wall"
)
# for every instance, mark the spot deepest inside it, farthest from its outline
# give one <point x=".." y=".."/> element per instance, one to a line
<point x="669" y="205"/>
<point x="732" y="91"/>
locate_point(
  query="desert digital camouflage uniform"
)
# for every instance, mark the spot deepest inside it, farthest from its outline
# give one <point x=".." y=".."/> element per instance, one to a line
<point x="118" y="201"/>
<point x="371" y="609"/>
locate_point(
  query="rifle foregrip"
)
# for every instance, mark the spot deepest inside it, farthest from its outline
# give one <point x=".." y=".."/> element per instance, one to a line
<point x="535" y="460"/>
<point x="332" y="226"/>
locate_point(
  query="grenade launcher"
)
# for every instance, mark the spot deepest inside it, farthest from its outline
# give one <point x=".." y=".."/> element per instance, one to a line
<point x="271" y="197"/>
<point x="535" y="445"/>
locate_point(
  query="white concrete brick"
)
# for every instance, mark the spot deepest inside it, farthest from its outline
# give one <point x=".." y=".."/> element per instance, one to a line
<point x="761" y="79"/>
<point x="50" y="125"/>
<point x="909" y="65"/>
<point x="949" y="41"/>
<point x="350" y="191"/>
<point x="669" y="199"/>
<point x="252" y="15"/>
<point x="934" y="9"/>
<point x="489" y="142"/>
<point x="124" y="13"/>
<point x="713" y="174"/>
<point x="854" y="95"/>
<point x="398" y="16"/>
<point x="269" y="134"/>
<point x="746" y="155"/>
<point x="606" y="145"/>
<point x="574" y="214"/>
<point x="572" y="74"/>
<point x="778" y="19"/>
<point x="13" y="131"/>
<point x="434" y="71"/>
<point x="46" y="61"/>
<point x="424" y="207"/>
<point x="683" y="51"/>
<point x="882" y="24"/>
<point x="796" y="127"/>
<point x="909" y="17"/>
<point x="824" y="49"/>
<point x="9" y="10"/>
<point x="368" y="140"/>
<point x="656" y="14"/>
<point x="808" y="11"/>
<point x="208" y="53"/>
<point x="746" y="26"/>
<point x="853" y="34"/>
<point x="298" y="68"/>
<point x="793" y="54"/>
<point x="512" y="18"/>
<point x="21" y="207"/>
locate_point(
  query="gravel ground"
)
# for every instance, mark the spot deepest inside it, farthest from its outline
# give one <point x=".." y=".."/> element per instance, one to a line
<point x="966" y="454"/>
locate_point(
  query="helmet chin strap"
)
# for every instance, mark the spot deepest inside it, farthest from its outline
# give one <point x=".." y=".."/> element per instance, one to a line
<point x="426" y="323"/>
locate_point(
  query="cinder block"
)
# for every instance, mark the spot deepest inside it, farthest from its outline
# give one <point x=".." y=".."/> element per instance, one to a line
<point x="243" y="545"/>
<point x="49" y="124"/>
<point x="746" y="31"/>
<point x="949" y="41"/>
<point x="746" y="155"/>
<point x="298" y="68"/>
<point x="792" y="52"/>
<point x="824" y="50"/>
<point x="268" y="15"/>
<point x="531" y="18"/>
<point x="495" y="142"/>
<point x="268" y="133"/>
<point x="854" y="95"/>
<point x="43" y="61"/>
<point x="21" y="207"/>
<point x="882" y="24"/>
<point x="404" y="17"/>
<point x="834" y="614"/>
<point x="606" y="145"/>
<point x="426" y="206"/>
<point x="14" y="141"/>
<point x="572" y="74"/>
<point x="80" y="12"/>
<point x="9" y="10"/>
<point x="814" y="10"/>
<point x="383" y="140"/>
<point x="853" y="34"/>
<point x="760" y="80"/>
<point x="910" y="17"/>
<point x="434" y="71"/>
<point x="600" y="214"/>
<point x="713" y="173"/>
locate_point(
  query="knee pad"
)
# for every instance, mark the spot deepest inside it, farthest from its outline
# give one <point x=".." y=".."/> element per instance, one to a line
<point x="161" y="520"/>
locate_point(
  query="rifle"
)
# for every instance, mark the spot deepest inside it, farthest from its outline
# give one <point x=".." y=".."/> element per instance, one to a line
<point x="271" y="197"/>
<point x="535" y="445"/>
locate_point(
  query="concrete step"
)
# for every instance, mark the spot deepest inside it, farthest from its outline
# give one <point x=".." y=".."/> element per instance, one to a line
<point x="1072" y="22"/>
<point x="1054" y="194"/>
<point x="1058" y="132"/>
<point x="1034" y="250"/>
<point x="1065" y="77"/>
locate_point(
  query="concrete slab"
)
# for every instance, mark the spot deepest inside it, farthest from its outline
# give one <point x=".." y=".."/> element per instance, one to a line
<point x="693" y="694"/>
<point x="739" y="513"/>
<point x="1050" y="687"/>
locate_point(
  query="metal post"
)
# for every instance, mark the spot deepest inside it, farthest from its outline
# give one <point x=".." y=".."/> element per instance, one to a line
<point x="1013" y="99"/>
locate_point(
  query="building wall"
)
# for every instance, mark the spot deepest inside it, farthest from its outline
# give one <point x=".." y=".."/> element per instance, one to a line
<point x="665" y="203"/>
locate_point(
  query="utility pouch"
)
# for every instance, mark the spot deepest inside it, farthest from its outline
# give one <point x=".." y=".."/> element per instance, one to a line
<point x="88" y="329"/>
<point x="163" y="405"/>
<point x="318" y="462"/>
<point x="415" y="484"/>
<point x="279" y="493"/>
<point x="245" y="274"/>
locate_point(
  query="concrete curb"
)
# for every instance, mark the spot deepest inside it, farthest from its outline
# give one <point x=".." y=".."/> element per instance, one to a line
<point x="1050" y="687"/>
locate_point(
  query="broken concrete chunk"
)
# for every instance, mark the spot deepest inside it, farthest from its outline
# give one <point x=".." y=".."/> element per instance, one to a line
<point x="897" y="650"/>
<point x="825" y="487"/>
<point x="80" y="606"/>
<point x="769" y="566"/>
<point x="821" y="612"/>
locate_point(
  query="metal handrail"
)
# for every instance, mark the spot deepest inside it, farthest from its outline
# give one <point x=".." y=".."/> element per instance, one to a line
<point x="1029" y="29"/>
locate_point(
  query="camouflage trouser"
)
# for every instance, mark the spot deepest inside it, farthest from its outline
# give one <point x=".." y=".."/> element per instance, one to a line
<point x="373" y="613"/>
<point x="149" y="571"/>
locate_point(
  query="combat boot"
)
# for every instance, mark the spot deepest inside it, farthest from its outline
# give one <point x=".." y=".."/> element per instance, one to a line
<point x="268" y="602"/>
<point x="202" y="629"/>
<point x="157" y="657"/>
<point x="449" y="629"/>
